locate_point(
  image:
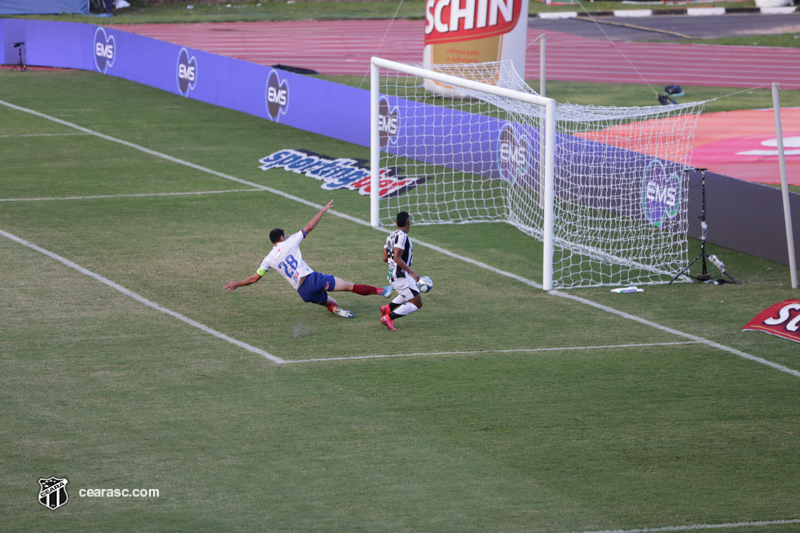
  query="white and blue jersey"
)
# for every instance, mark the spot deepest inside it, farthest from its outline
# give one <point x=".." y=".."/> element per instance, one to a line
<point x="286" y="258"/>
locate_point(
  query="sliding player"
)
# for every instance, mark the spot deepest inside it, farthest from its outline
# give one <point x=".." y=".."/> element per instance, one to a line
<point x="286" y="258"/>
<point x="398" y="252"/>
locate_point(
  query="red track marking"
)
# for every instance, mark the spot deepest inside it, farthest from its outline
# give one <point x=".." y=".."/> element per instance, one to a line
<point x="743" y="144"/>
<point x="571" y="58"/>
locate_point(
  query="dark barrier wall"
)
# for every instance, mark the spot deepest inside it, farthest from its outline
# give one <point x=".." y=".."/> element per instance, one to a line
<point x="742" y="216"/>
<point x="43" y="7"/>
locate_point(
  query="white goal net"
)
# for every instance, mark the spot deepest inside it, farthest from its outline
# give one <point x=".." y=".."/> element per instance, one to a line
<point x="603" y="188"/>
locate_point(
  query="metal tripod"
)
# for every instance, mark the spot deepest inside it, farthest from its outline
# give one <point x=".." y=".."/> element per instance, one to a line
<point x="703" y="276"/>
<point x="20" y="66"/>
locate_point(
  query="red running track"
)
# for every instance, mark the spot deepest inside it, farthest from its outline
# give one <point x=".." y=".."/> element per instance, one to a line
<point x="344" y="47"/>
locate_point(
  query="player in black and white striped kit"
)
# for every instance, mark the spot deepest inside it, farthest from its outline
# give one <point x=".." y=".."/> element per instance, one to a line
<point x="398" y="252"/>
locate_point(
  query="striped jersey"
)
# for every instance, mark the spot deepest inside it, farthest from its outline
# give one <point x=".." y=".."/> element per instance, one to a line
<point x="399" y="239"/>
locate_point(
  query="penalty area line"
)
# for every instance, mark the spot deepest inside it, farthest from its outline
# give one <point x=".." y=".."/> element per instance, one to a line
<point x="141" y="299"/>
<point x="696" y="527"/>
<point x="157" y="154"/>
<point x="41" y="135"/>
<point x="139" y="195"/>
<point x="479" y="352"/>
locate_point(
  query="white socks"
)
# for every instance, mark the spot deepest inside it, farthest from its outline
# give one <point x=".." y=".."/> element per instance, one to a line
<point x="405" y="309"/>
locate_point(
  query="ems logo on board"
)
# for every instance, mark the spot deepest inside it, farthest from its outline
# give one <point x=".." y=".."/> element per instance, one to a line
<point x="187" y="72"/>
<point x="388" y="123"/>
<point x="512" y="156"/>
<point x="105" y="50"/>
<point x="782" y="320"/>
<point x="277" y="96"/>
<point x="53" y="492"/>
<point x="661" y="193"/>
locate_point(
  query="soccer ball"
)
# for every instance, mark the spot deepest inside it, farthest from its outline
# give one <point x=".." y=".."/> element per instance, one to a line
<point x="425" y="284"/>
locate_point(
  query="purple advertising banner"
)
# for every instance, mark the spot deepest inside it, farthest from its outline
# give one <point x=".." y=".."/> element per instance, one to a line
<point x="277" y="95"/>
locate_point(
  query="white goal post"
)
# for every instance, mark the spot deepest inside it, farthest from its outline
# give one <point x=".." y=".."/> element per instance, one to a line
<point x="604" y="189"/>
<point x="446" y="79"/>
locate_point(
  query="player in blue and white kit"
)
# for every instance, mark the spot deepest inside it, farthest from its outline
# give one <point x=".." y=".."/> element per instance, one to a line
<point x="398" y="252"/>
<point x="312" y="286"/>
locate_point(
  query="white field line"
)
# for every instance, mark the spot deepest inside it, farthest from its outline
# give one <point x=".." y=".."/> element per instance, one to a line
<point x="676" y="332"/>
<point x="140" y="298"/>
<point x="478" y="352"/>
<point x="701" y="526"/>
<point x="125" y="195"/>
<point x="418" y="242"/>
<point x="145" y="150"/>
<point x="41" y="135"/>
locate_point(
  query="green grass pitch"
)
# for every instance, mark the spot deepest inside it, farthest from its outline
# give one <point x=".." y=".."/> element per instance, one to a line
<point x="503" y="408"/>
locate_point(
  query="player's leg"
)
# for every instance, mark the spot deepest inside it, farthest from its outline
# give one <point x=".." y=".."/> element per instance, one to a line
<point x="408" y="301"/>
<point x="342" y="285"/>
<point x="314" y="290"/>
<point x="414" y="304"/>
<point x="363" y="290"/>
<point x="394" y="304"/>
<point x="334" y="308"/>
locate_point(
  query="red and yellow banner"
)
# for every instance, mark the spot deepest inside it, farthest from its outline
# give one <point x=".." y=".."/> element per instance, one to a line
<point x="475" y="31"/>
<point x="448" y="21"/>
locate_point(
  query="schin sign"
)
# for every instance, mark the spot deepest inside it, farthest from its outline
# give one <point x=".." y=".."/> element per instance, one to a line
<point x="456" y="20"/>
<point x="474" y="31"/>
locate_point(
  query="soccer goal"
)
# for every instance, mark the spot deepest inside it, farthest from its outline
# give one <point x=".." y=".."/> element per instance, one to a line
<point x="603" y="188"/>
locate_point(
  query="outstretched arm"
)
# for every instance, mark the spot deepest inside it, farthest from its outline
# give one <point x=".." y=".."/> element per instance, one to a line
<point x="313" y="222"/>
<point x="233" y="285"/>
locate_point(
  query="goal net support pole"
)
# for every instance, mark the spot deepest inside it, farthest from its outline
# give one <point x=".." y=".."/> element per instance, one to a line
<point x="787" y="211"/>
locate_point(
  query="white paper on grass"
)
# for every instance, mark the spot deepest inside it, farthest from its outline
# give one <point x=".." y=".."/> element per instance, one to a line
<point x="626" y="290"/>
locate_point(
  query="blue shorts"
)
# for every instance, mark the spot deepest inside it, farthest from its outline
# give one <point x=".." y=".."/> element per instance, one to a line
<point x="314" y="288"/>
